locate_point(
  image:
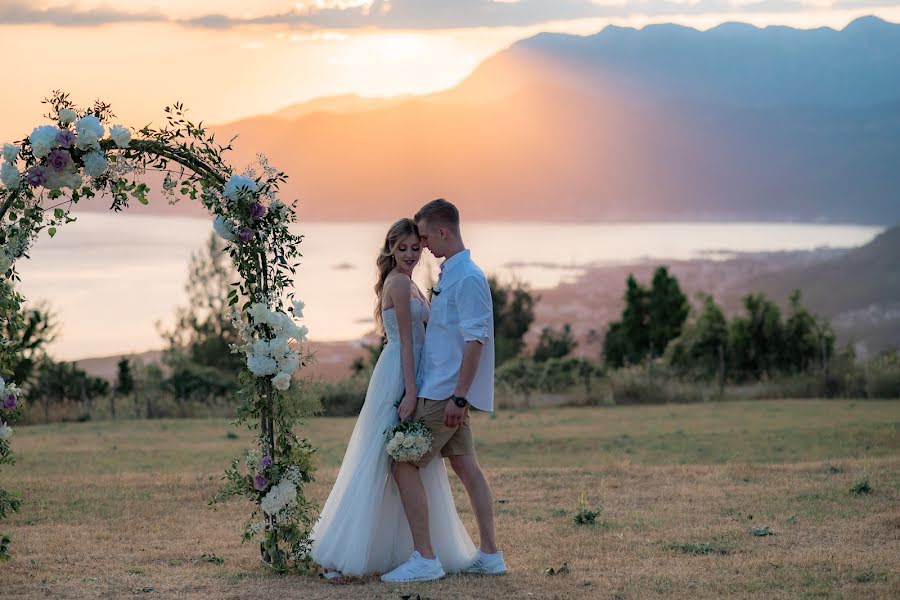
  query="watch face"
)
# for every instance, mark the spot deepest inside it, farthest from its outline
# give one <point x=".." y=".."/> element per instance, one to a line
<point x="460" y="402"/>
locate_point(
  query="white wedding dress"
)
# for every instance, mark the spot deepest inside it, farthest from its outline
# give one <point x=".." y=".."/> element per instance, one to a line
<point x="362" y="528"/>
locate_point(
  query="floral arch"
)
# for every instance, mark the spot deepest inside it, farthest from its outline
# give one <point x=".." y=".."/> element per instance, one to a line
<point x="73" y="158"/>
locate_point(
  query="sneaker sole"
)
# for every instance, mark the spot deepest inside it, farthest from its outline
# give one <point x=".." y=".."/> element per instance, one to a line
<point x="414" y="580"/>
<point x="494" y="573"/>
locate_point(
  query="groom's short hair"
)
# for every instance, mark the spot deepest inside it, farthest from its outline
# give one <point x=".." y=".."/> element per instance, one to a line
<point x="439" y="212"/>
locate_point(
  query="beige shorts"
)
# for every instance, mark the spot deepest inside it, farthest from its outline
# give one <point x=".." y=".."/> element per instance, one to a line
<point x="446" y="441"/>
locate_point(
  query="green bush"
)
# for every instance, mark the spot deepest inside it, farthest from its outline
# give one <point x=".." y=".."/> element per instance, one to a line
<point x="343" y="398"/>
<point x="882" y="376"/>
<point x="651" y="384"/>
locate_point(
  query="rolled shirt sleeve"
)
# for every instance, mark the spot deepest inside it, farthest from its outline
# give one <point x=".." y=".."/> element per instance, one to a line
<point x="475" y="307"/>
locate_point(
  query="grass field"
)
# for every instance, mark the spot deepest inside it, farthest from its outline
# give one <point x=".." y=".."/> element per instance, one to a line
<point x="118" y="509"/>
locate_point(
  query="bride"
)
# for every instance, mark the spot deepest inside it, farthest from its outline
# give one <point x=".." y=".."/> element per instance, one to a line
<point x="362" y="528"/>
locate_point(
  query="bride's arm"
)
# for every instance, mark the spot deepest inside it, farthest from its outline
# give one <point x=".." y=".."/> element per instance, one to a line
<point x="400" y="290"/>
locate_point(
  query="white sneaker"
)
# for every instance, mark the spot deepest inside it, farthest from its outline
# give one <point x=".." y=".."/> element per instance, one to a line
<point x="487" y="564"/>
<point x="416" y="568"/>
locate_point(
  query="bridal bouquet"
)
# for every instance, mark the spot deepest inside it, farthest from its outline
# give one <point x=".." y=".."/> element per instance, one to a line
<point x="407" y="441"/>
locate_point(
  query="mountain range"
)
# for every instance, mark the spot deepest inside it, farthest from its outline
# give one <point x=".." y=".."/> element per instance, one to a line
<point x="661" y="123"/>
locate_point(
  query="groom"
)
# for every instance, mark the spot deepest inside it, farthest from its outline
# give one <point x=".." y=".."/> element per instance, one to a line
<point x="456" y="372"/>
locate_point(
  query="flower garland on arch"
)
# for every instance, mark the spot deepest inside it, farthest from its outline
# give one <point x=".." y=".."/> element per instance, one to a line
<point x="73" y="158"/>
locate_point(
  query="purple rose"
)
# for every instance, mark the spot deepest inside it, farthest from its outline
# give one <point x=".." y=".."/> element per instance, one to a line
<point x="260" y="483"/>
<point x="59" y="159"/>
<point x="246" y="234"/>
<point x="265" y="463"/>
<point x="36" y="176"/>
<point x="65" y="138"/>
<point x="10" y="401"/>
<point x="257" y="211"/>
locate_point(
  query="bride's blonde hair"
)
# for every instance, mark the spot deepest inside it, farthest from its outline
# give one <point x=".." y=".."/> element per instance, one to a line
<point x="386" y="262"/>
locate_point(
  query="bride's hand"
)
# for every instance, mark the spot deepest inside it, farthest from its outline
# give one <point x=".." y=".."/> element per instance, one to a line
<point x="407" y="406"/>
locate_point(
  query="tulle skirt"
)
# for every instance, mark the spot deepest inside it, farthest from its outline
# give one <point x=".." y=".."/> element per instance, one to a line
<point x="362" y="528"/>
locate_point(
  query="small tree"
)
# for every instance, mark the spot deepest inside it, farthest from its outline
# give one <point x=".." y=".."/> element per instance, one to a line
<point x="513" y="315"/>
<point x="756" y="340"/>
<point x="124" y="384"/>
<point x="667" y="309"/>
<point x="553" y="344"/>
<point x="651" y="319"/>
<point x="808" y="340"/>
<point x="29" y="332"/>
<point x="58" y="382"/>
<point x="701" y="348"/>
<point x="199" y="346"/>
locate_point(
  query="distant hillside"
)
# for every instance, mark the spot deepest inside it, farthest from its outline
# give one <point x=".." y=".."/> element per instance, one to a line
<point x="662" y="123"/>
<point x="859" y="290"/>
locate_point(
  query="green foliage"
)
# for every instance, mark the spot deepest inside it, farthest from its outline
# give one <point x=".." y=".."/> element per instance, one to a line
<point x="650" y="320"/>
<point x="59" y="382"/>
<point x="756" y="340"/>
<point x="585" y="515"/>
<point x="861" y="486"/>
<point x="361" y="366"/>
<point x="699" y="352"/>
<point x="124" y="380"/>
<point x="882" y="375"/>
<point x="524" y="377"/>
<point x="651" y="384"/>
<point x="343" y="398"/>
<point x="199" y="345"/>
<point x="513" y="306"/>
<point x="27" y="331"/>
<point x="698" y="548"/>
<point x="553" y="344"/>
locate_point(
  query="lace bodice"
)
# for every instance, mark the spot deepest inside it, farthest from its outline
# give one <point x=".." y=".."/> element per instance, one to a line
<point x="419" y="310"/>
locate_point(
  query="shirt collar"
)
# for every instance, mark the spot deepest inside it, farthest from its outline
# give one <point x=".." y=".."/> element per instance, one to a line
<point x="458" y="258"/>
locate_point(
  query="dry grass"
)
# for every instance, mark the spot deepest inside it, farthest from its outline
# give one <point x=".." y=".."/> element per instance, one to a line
<point x="115" y="510"/>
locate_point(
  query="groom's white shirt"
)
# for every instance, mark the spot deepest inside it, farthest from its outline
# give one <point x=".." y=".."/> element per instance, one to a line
<point x="461" y="311"/>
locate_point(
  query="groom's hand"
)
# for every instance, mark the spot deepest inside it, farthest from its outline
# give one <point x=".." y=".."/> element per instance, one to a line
<point x="454" y="415"/>
<point x="407" y="406"/>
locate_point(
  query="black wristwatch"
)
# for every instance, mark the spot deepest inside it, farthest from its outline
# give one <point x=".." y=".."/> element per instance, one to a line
<point x="459" y="401"/>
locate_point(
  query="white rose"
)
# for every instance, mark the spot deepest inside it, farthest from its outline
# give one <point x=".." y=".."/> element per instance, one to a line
<point x="262" y="348"/>
<point x="282" y="381"/>
<point x="43" y="140"/>
<point x="258" y="312"/>
<point x="261" y="365"/>
<point x="94" y="164"/>
<point x="120" y="135"/>
<point x="67" y="115"/>
<point x="275" y="320"/>
<point x="279" y="347"/>
<point x="289" y="363"/>
<point x="292" y="330"/>
<point x="5" y="432"/>
<point x="239" y="185"/>
<point x="225" y="228"/>
<point x="9" y="175"/>
<point x="10" y="152"/>
<point x="71" y="179"/>
<point x="299" y="305"/>
<point x="409" y="442"/>
<point x="89" y="130"/>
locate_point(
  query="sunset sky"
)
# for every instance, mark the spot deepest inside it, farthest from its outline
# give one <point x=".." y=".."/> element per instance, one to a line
<point x="227" y="59"/>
